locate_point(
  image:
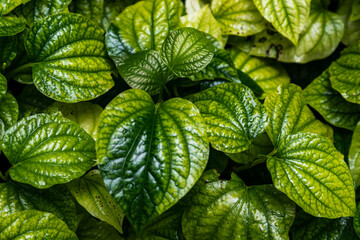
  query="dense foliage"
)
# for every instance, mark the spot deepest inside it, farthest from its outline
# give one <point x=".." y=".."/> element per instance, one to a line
<point x="169" y="119"/>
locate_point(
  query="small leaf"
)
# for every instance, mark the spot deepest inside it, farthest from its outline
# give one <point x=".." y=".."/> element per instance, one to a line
<point x="330" y="104"/>
<point x="150" y="155"/>
<point x="289" y="114"/>
<point x="146" y="71"/>
<point x="9" y="110"/>
<point x="354" y="155"/>
<point x="71" y="66"/>
<point x="268" y="74"/>
<point x="90" y="192"/>
<point x="233" y="115"/>
<point x="16" y="197"/>
<point x="240" y="18"/>
<point x="345" y="73"/>
<point x="93" y="9"/>
<point x="309" y="170"/>
<point x="288" y="17"/>
<point x="355" y="12"/>
<point x="3" y="87"/>
<point x="32" y="224"/>
<point x="11" y="25"/>
<point x="7" y="51"/>
<point x="228" y="209"/>
<point x="47" y="150"/>
<point x="7" y="6"/>
<point x="187" y="51"/>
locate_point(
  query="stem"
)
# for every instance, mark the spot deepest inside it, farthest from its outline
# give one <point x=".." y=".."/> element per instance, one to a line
<point x="252" y="164"/>
<point x="175" y="91"/>
<point x="160" y="94"/>
<point x="19" y="69"/>
<point x="2" y="176"/>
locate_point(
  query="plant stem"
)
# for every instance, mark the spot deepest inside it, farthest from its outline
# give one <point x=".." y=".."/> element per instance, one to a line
<point x="19" y="69"/>
<point x="2" y="176"/>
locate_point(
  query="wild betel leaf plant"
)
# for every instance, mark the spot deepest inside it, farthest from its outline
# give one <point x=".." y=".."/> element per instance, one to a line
<point x="169" y="119"/>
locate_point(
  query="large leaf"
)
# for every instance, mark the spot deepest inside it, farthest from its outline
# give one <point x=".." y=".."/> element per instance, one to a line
<point x="233" y="115"/>
<point x="32" y="224"/>
<point x="146" y="71"/>
<point x="330" y="104"/>
<point x="7" y="51"/>
<point x="15" y="197"/>
<point x="85" y="114"/>
<point x="91" y="193"/>
<point x="287" y="16"/>
<point x="268" y="74"/>
<point x="289" y="114"/>
<point x="238" y="17"/>
<point x="228" y="209"/>
<point x="345" y="73"/>
<point x="93" y="9"/>
<point x="71" y="66"/>
<point x="309" y="170"/>
<point x="142" y="26"/>
<point x="150" y="155"/>
<point x="11" y="25"/>
<point x="354" y="155"/>
<point x="187" y="51"/>
<point x="45" y="150"/>
<point x="9" y="110"/>
<point x="7" y="6"/>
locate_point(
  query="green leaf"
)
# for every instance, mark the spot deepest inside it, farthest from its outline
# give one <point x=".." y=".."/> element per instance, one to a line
<point x="345" y="73"/>
<point x="45" y="150"/>
<point x="112" y="8"/>
<point x="228" y="209"/>
<point x="7" y="6"/>
<point x="150" y="155"/>
<point x="354" y="155"/>
<point x="195" y="5"/>
<point x="233" y="115"/>
<point x="288" y="17"/>
<point x="9" y="110"/>
<point x="240" y="18"/>
<point x="85" y="114"/>
<point x="289" y="114"/>
<point x="11" y="25"/>
<point x="3" y="88"/>
<point x="186" y="51"/>
<point x="307" y="227"/>
<point x="330" y="104"/>
<point x="7" y="51"/>
<point x="146" y="71"/>
<point x="32" y="224"/>
<point x="90" y="192"/>
<point x="93" y="9"/>
<point x="142" y="26"/>
<point x="16" y="197"/>
<point x="268" y="74"/>
<point x="357" y="221"/>
<point x="309" y="170"/>
<point x="71" y="66"/>
<point x="92" y="229"/>
<point x="352" y="28"/>
<point x="204" y="21"/>
<point x="355" y="12"/>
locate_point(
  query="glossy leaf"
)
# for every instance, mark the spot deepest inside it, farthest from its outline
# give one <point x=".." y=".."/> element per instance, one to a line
<point x="92" y="229"/>
<point x="195" y="5"/>
<point x="351" y="28"/>
<point x="7" y="6"/>
<point x="16" y="197"/>
<point x="11" y="25"/>
<point x="288" y="17"/>
<point x="7" y="51"/>
<point x="268" y="74"/>
<point x="112" y="9"/>
<point x="150" y="155"/>
<point x="233" y="115"/>
<point x="330" y="104"/>
<point x="93" y="9"/>
<point x="186" y="51"/>
<point x="289" y="114"/>
<point x="354" y="155"/>
<point x="309" y="170"/>
<point x="9" y="110"/>
<point x="90" y="192"/>
<point x="146" y="71"/>
<point x="3" y="88"/>
<point x="72" y="66"/>
<point x="240" y="18"/>
<point x="45" y="150"/>
<point x="345" y="73"/>
<point x="142" y="26"/>
<point x="32" y="224"/>
<point x="85" y="114"/>
<point x="228" y="209"/>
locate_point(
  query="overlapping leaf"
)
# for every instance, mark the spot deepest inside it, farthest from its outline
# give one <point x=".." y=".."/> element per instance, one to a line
<point x="7" y="51"/>
<point x="228" y="209"/>
<point x="354" y="155"/>
<point x="71" y="66"/>
<point x="150" y="155"/>
<point x="9" y="109"/>
<point x="3" y="86"/>
<point x="45" y="150"/>
<point x="7" y="6"/>
<point x="11" y="25"/>
<point x="93" y="9"/>
<point x="351" y="28"/>
<point x="233" y="115"/>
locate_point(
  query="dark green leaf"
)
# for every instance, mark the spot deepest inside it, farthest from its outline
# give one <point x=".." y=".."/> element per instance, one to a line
<point x="11" y="25"/>
<point x="93" y="9"/>
<point x="7" y="51"/>
<point x="7" y="6"/>
<point x="9" y="110"/>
